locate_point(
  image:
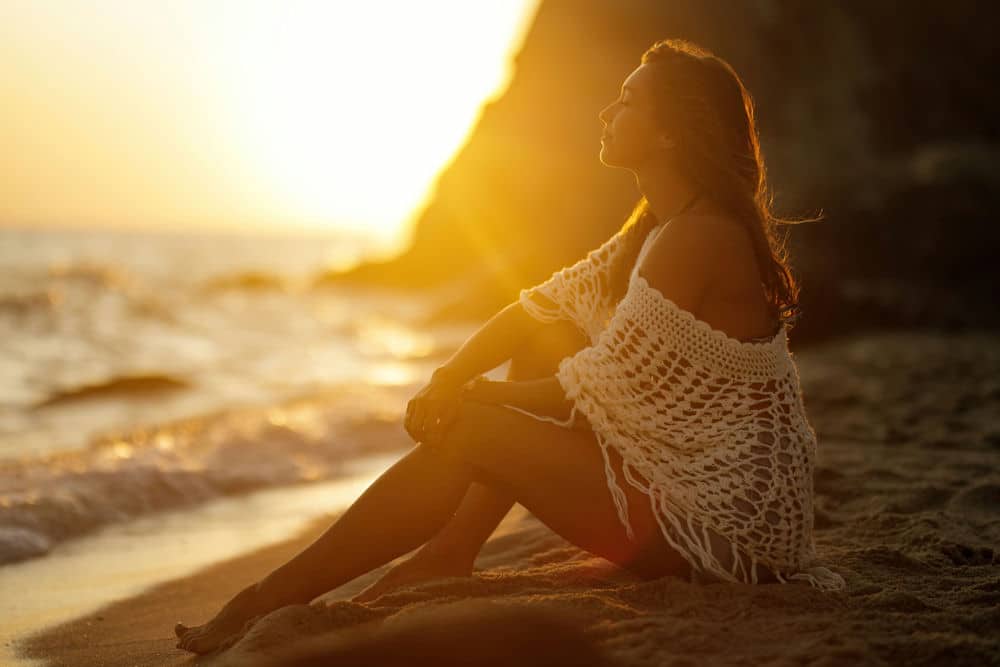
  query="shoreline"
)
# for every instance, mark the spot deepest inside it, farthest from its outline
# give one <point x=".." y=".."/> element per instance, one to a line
<point x="905" y="509"/>
<point x="124" y="560"/>
<point x="138" y="630"/>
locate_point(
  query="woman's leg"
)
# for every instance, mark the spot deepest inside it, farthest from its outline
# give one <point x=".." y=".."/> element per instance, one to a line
<point x="556" y="473"/>
<point x="484" y="507"/>
<point x="398" y="512"/>
<point x="453" y="551"/>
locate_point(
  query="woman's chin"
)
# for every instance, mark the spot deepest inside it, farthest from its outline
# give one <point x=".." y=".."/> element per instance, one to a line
<point x="611" y="158"/>
<point x="605" y="152"/>
<point x="607" y="158"/>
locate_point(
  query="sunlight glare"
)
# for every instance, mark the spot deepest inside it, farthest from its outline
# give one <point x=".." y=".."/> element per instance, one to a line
<point x="256" y="114"/>
<point x="351" y="112"/>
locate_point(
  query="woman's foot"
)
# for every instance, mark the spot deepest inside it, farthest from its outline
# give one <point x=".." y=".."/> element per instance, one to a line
<point x="419" y="567"/>
<point x="228" y="624"/>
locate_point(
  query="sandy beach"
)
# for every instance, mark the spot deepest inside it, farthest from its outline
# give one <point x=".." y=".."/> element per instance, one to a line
<point x="236" y="239"/>
<point x="907" y="510"/>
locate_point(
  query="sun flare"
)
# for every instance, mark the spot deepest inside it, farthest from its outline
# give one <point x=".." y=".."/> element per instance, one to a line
<point x="250" y="114"/>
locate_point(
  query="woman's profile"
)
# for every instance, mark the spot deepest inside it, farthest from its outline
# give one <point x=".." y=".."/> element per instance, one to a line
<point x="652" y="413"/>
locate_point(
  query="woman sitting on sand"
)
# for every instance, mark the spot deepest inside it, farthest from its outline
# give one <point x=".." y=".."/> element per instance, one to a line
<point x="661" y="358"/>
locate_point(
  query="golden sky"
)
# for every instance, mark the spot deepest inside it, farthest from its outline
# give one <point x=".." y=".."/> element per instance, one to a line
<point x="247" y="114"/>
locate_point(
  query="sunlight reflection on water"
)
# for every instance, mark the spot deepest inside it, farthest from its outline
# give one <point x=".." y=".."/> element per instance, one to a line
<point x="122" y="560"/>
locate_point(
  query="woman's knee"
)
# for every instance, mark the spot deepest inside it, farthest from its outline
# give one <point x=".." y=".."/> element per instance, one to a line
<point x="474" y="444"/>
<point x="468" y="433"/>
<point x="541" y="353"/>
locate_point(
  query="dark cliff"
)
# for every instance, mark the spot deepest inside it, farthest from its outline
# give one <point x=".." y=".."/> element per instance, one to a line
<point x="880" y="116"/>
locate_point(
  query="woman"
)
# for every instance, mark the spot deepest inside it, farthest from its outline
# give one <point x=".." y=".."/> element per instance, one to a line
<point x="661" y="357"/>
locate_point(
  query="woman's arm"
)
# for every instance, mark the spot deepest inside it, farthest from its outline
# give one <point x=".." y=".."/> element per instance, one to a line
<point x="430" y="412"/>
<point x="494" y="343"/>
<point x="544" y="395"/>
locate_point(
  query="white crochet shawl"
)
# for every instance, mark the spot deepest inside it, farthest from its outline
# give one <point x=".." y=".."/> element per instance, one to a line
<point x="711" y="428"/>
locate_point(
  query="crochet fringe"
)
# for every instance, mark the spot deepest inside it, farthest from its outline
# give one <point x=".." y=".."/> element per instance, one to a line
<point x="565" y="423"/>
<point x="715" y="425"/>
<point x="697" y="552"/>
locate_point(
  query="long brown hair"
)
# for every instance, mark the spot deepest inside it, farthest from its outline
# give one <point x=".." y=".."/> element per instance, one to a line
<point x="703" y="104"/>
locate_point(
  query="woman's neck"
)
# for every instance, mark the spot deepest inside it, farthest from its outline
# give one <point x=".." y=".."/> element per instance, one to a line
<point x="665" y="192"/>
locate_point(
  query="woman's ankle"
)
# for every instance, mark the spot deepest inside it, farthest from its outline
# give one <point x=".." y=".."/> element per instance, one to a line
<point x="273" y="592"/>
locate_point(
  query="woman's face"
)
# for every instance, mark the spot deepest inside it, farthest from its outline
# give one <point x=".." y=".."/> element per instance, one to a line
<point x="631" y="138"/>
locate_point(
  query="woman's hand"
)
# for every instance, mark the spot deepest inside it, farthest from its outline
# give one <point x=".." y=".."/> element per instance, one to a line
<point x="433" y="409"/>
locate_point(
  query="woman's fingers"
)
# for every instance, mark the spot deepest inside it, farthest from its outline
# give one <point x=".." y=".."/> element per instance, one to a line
<point x="418" y="420"/>
<point x="441" y="414"/>
<point x="431" y="412"/>
<point x="413" y="422"/>
<point x="408" y="418"/>
<point x="431" y="415"/>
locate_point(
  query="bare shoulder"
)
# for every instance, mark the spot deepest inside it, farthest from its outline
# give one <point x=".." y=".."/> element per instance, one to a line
<point x="680" y="262"/>
<point x="720" y="242"/>
<point x="717" y="230"/>
<point x="692" y="253"/>
<point x="700" y="240"/>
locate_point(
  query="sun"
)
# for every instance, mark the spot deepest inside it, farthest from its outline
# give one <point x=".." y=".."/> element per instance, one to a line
<point x="349" y="114"/>
<point x="254" y="114"/>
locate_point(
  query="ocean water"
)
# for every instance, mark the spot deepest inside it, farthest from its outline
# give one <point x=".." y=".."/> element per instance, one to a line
<point x="141" y="372"/>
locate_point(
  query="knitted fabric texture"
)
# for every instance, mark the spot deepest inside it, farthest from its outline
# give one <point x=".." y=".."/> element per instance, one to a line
<point x="711" y="428"/>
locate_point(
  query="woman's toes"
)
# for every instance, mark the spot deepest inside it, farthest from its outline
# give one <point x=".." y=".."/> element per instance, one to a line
<point x="180" y="629"/>
<point x="201" y="640"/>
